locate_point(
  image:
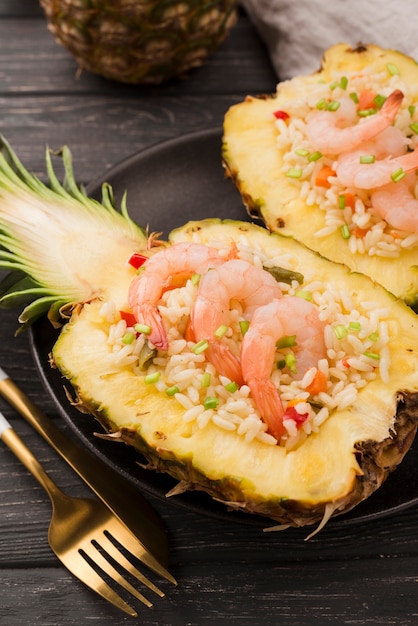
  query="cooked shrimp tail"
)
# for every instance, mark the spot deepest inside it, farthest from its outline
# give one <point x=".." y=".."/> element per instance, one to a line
<point x="267" y="400"/>
<point x="225" y="361"/>
<point x="148" y="315"/>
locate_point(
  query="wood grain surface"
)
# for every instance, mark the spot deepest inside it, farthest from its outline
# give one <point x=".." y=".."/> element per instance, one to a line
<point x="227" y="572"/>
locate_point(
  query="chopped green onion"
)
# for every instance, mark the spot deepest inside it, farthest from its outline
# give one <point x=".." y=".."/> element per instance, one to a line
<point x="294" y="172"/>
<point x="374" y="336"/>
<point x="290" y="361"/>
<point x="398" y="175"/>
<point x="171" y="391"/>
<point x="128" y="338"/>
<point x="142" y="328"/>
<point x="301" y="152"/>
<point x="210" y="402"/>
<point x="206" y="379"/>
<point x="322" y="104"/>
<point x="392" y="69"/>
<point x="221" y="331"/>
<point x="354" y="326"/>
<point x="411" y="109"/>
<point x="354" y="97"/>
<point x="379" y="100"/>
<point x="286" y="342"/>
<point x="341" y="201"/>
<point x="344" y="82"/>
<point x="305" y="294"/>
<point x="231" y="387"/>
<point x="152" y="378"/>
<point x="340" y="331"/>
<point x="372" y="355"/>
<point x="366" y="112"/>
<point x="200" y="346"/>
<point x="414" y="127"/>
<point x="195" y="279"/>
<point x="314" y="156"/>
<point x="345" y="231"/>
<point x="244" y="326"/>
<point x="367" y="158"/>
<point x="334" y="105"/>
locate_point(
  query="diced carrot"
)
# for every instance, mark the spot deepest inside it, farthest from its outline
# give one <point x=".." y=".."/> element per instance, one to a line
<point x="323" y="175"/>
<point x="366" y="100"/>
<point x="349" y="200"/>
<point x="318" y="384"/>
<point x="359" y="232"/>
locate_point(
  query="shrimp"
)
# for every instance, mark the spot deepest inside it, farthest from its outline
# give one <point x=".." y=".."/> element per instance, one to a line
<point x="397" y="204"/>
<point x="176" y="262"/>
<point x="233" y="280"/>
<point x="257" y="358"/>
<point x="352" y="173"/>
<point x="289" y="315"/>
<point x="333" y="132"/>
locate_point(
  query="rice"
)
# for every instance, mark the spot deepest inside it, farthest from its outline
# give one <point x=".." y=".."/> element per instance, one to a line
<point x="356" y="336"/>
<point x="365" y="231"/>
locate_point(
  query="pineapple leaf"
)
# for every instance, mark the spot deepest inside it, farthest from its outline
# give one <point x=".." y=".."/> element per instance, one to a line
<point x="68" y="245"/>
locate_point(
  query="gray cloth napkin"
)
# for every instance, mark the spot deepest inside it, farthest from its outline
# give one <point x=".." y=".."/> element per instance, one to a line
<point x="297" y="32"/>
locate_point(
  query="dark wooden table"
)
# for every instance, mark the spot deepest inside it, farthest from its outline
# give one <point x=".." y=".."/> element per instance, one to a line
<point x="364" y="573"/>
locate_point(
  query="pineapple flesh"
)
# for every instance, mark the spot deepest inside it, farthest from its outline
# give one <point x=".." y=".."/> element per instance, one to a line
<point x="140" y="41"/>
<point x="338" y="465"/>
<point x="255" y="159"/>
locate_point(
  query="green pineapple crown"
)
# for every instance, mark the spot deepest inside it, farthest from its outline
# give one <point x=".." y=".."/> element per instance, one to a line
<point x="57" y="244"/>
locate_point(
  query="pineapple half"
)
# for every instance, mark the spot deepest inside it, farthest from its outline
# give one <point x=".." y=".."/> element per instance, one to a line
<point x="142" y="41"/>
<point x="258" y="160"/>
<point x="68" y="256"/>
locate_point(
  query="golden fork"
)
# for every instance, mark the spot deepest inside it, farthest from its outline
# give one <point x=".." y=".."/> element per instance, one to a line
<point x="113" y="489"/>
<point x="84" y="533"/>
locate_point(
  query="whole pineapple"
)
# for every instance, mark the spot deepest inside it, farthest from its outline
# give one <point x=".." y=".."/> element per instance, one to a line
<point x="140" y="41"/>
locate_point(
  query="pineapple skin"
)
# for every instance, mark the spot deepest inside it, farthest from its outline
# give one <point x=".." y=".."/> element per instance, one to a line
<point x="140" y="41"/>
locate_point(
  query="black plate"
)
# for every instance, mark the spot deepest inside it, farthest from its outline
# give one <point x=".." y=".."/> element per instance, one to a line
<point x="169" y="184"/>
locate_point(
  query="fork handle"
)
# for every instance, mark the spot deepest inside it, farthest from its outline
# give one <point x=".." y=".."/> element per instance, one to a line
<point x="123" y="499"/>
<point x="12" y="440"/>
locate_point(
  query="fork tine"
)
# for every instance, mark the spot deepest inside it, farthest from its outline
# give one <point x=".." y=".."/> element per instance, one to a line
<point x="94" y="555"/>
<point x="112" y="550"/>
<point x="82" y="570"/>
<point x="127" y="540"/>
